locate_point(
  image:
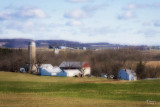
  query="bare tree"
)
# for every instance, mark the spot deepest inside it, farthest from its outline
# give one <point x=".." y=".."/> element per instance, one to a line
<point x="40" y="59"/>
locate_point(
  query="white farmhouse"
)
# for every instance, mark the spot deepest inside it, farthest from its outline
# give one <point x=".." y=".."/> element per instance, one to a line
<point x="127" y="74"/>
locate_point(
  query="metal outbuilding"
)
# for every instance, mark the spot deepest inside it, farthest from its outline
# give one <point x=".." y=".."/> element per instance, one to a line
<point x="127" y="74"/>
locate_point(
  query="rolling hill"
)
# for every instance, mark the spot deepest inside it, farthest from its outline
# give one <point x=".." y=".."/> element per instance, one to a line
<point x="23" y="43"/>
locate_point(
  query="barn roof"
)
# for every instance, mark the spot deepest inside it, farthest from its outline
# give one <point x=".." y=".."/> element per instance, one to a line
<point x="73" y="64"/>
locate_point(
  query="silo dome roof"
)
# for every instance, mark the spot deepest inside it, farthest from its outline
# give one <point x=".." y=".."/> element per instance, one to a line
<point x="32" y="43"/>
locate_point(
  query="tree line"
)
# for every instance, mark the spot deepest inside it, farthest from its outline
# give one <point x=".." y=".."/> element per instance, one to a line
<point x="108" y="61"/>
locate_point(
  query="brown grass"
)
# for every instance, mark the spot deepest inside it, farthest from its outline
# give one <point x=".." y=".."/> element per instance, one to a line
<point x="36" y="100"/>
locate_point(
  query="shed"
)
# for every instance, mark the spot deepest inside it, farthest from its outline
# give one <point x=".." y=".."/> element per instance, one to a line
<point x="127" y="74"/>
<point x="83" y="67"/>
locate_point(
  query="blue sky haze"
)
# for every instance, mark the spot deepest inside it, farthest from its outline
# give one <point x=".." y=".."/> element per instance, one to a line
<point x="133" y="22"/>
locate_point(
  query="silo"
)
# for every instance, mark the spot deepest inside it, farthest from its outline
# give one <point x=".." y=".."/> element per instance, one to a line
<point x="32" y="56"/>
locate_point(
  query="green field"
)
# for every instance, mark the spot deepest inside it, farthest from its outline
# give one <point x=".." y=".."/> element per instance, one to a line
<point x="23" y="90"/>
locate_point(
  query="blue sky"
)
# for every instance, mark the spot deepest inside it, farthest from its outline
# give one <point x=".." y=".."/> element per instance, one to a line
<point x="133" y="22"/>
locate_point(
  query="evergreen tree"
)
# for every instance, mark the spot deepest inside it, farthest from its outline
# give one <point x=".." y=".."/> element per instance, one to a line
<point x="140" y="70"/>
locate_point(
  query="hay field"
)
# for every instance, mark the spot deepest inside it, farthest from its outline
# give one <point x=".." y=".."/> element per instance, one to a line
<point x="23" y="90"/>
<point x="153" y="63"/>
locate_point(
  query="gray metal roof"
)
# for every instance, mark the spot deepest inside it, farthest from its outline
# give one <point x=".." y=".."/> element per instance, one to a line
<point x="70" y="64"/>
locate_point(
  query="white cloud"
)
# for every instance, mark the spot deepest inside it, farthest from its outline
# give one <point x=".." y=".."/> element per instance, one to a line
<point x="23" y="13"/>
<point x="21" y="26"/>
<point x="157" y="23"/>
<point x="5" y="15"/>
<point x="90" y="8"/>
<point x="28" y="24"/>
<point x="77" y="0"/>
<point x="149" y="32"/>
<point x="126" y="15"/>
<point x="31" y="12"/>
<point x="131" y="6"/>
<point x="11" y="33"/>
<point x="94" y="31"/>
<point x="146" y="23"/>
<point x="76" y="14"/>
<point x="84" y="12"/>
<point x="1" y="32"/>
<point x="74" y="23"/>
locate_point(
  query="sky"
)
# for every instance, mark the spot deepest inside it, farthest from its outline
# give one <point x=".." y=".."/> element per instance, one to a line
<point x="131" y="22"/>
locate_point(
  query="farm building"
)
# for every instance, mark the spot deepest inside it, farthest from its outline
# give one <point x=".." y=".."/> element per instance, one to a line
<point x="49" y="70"/>
<point x="83" y="67"/>
<point x="72" y="72"/>
<point x="127" y="74"/>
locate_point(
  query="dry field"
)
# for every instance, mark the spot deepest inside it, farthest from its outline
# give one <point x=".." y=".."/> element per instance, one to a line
<point x="153" y="63"/>
<point x="26" y="90"/>
<point x="47" y="100"/>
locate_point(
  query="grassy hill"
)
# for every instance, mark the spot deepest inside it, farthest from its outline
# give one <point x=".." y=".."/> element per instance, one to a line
<point x="31" y="90"/>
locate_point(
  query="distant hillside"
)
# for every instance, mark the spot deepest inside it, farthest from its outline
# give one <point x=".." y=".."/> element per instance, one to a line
<point x="23" y="43"/>
<point x="14" y="43"/>
<point x="44" y="43"/>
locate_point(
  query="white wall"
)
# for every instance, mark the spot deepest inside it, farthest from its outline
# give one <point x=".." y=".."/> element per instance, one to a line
<point x="61" y="74"/>
<point x="72" y="72"/>
<point x="87" y="71"/>
<point x="132" y="77"/>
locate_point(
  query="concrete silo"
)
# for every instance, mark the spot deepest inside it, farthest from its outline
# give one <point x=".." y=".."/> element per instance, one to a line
<point x="32" y="56"/>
